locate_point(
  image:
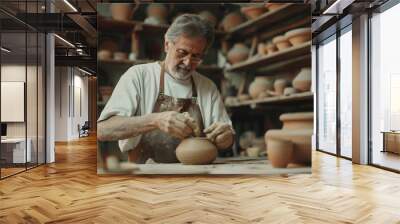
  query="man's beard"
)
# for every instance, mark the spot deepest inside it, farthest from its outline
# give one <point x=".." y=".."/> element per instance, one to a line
<point x="181" y="72"/>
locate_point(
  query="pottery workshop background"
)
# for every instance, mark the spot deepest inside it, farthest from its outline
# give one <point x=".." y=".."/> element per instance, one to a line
<point x="260" y="62"/>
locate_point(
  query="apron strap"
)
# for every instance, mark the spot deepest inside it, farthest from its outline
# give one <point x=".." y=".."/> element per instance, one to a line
<point x="161" y="93"/>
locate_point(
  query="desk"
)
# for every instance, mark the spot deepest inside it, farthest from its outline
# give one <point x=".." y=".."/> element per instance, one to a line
<point x="391" y="141"/>
<point x="13" y="150"/>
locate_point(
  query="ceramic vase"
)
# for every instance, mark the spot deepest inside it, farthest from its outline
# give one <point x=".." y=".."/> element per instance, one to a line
<point x="302" y="81"/>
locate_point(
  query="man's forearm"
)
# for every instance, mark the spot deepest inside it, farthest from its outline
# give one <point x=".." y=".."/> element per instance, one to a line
<point x="119" y="127"/>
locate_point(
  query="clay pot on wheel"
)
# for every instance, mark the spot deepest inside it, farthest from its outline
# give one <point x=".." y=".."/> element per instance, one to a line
<point x="259" y="85"/>
<point x="302" y="81"/>
<point x="279" y="152"/>
<point x="196" y="151"/>
<point x="239" y="53"/>
<point x="281" y="42"/>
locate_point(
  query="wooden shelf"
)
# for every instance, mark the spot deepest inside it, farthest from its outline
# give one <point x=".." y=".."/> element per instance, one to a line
<point x="203" y="69"/>
<point x="275" y="99"/>
<point x="276" y="58"/>
<point x="124" y="62"/>
<point x="281" y="19"/>
<point x="129" y="26"/>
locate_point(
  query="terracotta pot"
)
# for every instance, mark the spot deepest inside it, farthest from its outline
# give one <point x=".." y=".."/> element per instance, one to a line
<point x="298" y="36"/>
<point x="271" y="48"/>
<point x="273" y="6"/>
<point x="297" y="121"/>
<point x="246" y="139"/>
<point x="158" y="11"/>
<point x="279" y="152"/>
<point x="122" y="11"/>
<point x="252" y="12"/>
<point x="253" y="151"/>
<point x="279" y="85"/>
<point x="208" y="16"/>
<point x="112" y="163"/>
<point x="231" y="100"/>
<point x="232" y="20"/>
<point x="105" y="92"/>
<point x="110" y="45"/>
<point x="281" y="42"/>
<point x="239" y="53"/>
<point x="289" y="91"/>
<point x="259" y="85"/>
<point x="243" y="97"/>
<point x="196" y="151"/>
<point x="302" y="81"/>
<point x="261" y="49"/>
<point x="301" y="139"/>
<point x="154" y="21"/>
<point x="263" y="95"/>
<point x="104" y="55"/>
<point x="120" y="56"/>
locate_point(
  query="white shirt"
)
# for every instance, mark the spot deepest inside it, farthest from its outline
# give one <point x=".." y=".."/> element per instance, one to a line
<point x="136" y="93"/>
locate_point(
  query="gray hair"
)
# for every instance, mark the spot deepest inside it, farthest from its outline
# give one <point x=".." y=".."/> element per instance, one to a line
<point x="191" y="25"/>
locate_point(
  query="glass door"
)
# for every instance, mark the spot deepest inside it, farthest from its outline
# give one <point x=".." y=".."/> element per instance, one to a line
<point x="326" y="59"/>
<point x="385" y="89"/>
<point x="345" y="49"/>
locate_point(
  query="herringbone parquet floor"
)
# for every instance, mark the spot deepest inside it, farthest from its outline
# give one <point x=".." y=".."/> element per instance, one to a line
<point x="69" y="191"/>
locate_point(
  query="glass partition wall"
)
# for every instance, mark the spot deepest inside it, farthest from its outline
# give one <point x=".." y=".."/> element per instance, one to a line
<point x="22" y="77"/>
<point x="385" y="89"/>
<point x="334" y="95"/>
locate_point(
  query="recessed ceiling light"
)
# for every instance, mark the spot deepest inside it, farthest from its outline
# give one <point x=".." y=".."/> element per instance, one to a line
<point x="5" y="50"/>
<point x="64" y="40"/>
<point x="70" y="5"/>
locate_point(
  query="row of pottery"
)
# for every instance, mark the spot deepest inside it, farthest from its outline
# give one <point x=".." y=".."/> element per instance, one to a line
<point x="291" y="38"/>
<point x="263" y="87"/>
<point x="292" y="143"/>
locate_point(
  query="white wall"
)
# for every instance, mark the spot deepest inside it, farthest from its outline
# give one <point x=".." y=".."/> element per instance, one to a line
<point x="69" y="85"/>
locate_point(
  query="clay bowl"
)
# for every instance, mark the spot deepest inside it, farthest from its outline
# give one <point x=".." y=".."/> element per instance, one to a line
<point x="120" y="56"/>
<point x="279" y="152"/>
<point x="281" y="42"/>
<point x="232" y="20"/>
<point x="273" y="6"/>
<point x="252" y="12"/>
<point x="196" y="151"/>
<point x="298" y="36"/>
<point x="261" y="49"/>
<point x="238" y="53"/>
<point x="104" y="54"/>
<point x="289" y="91"/>
<point x="270" y="48"/>
<point x="243" y="97"/>
<point x="122" y="11"/>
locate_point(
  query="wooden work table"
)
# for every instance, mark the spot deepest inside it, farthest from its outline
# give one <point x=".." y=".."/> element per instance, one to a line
<point x="232" y="165"/>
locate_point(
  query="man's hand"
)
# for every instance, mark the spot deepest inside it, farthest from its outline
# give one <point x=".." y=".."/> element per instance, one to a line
<point x="221" y="134"/>
<point x="174" y="123"/>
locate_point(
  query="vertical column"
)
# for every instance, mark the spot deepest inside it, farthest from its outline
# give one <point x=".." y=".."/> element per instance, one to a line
<point x="360" y="90"/>
<point x="50" y="93"/>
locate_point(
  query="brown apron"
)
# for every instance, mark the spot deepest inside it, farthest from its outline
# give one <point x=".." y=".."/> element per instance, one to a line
<point x="156" y="144"/>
